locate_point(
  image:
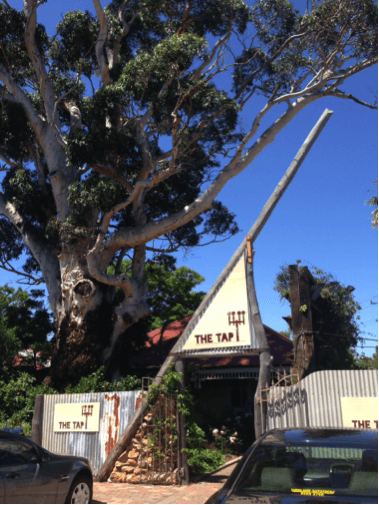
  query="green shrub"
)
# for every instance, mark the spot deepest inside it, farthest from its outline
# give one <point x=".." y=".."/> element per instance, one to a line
<point x="199" y="459"/>
<point x="205" y="460"/>
<point x="18" y="394"/>
<point x="96" y="383"/>
<point x="17" y="398"/>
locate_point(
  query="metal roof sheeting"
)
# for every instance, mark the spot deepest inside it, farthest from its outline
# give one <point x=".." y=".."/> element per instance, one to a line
<point x="116" y="411"/>
<point x="315" y="401"/>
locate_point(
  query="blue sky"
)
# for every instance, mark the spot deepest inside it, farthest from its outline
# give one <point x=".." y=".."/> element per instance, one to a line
<point x="321" y="220"/>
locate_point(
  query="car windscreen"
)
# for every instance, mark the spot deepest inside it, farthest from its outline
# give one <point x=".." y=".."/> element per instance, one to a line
<point x="313" y="471"/>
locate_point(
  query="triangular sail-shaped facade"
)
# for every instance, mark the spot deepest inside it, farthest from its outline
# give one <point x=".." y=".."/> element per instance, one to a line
<point x="222" y="324"/>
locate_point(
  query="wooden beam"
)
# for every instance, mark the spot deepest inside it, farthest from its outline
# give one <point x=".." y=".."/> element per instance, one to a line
<point x="305" y="280"/>
<point x="301" y="318"/>
<point x="262" y="219"/>
<point x="260" y="403"/>
<point x="37" y="421"/>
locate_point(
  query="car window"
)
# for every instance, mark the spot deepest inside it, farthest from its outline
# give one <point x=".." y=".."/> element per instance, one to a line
<point x="13" y="452"/>
<point x="311" y="471"/>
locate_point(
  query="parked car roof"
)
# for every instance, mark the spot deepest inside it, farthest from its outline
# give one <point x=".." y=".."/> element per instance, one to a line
<point x="326" y="436"/>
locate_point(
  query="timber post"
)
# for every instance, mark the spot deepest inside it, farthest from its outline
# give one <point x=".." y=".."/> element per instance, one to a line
<point x="37" y="421"/>
<point x="182" y="439"/>
<point x="260" y="405"/>
<point x="301" y="319"/>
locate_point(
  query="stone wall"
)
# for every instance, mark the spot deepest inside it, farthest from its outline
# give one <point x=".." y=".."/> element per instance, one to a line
<point x="152" y="455"/>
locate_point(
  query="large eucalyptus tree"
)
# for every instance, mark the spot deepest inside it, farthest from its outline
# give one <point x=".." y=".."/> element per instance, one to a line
<point x="113" y="129"/>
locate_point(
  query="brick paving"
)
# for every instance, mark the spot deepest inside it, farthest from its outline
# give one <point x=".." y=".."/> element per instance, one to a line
<point x="109" y="492"/>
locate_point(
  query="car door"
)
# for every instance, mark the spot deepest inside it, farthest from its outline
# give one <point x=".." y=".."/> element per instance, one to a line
<point x="26" y="479"/>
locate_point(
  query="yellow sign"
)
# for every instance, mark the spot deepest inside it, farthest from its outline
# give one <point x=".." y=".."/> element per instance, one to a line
<point x="77" y="417"/>
<point x="226" y="322"/>
<point x="313" y="492"/>
<point x="361" y="413"/>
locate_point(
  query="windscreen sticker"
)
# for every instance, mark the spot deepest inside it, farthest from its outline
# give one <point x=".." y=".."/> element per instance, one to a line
<point x="313" y="492"/>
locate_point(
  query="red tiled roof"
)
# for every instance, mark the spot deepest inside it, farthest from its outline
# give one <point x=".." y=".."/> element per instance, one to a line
<point x="173" y="330"/>
<point x="158" y="347"/>
<point x="20" y="358"/>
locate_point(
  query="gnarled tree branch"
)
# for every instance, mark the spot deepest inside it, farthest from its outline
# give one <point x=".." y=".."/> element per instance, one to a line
<point x="46" y="87"/>
<point x="17" y="95"/>
<point x="101" y="44"/>
<point x="132" y="237"/>
<point x="340" y="94"/>
<point x="42" y="251"/>
<point x="32" y="280"/>
<point x="8" y="161"/>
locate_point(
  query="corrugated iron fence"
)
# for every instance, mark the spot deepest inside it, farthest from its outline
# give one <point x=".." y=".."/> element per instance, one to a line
<point x="116" y="411"/>
<point x="316" y="400"/>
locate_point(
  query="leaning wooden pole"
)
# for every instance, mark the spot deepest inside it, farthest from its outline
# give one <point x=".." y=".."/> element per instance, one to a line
<point x="258" y="225"/>
<point x="132" y="427"/>
<point x="260" y="405"/>
<point x="289" y="175"/>
<point x="260" y="408"/>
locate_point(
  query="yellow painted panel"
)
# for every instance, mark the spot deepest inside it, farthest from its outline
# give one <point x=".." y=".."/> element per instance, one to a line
<point x="76" y="417"/>
<point x="360" y="413"/>
<point x="225" y="323"/>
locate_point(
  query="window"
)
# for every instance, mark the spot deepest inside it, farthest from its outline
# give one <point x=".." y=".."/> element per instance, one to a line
<point x="16" y="452"/>
<point x="314" y="471"/>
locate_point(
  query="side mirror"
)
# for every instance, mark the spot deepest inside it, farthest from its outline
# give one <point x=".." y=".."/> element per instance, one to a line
<point x="46" y="457"/>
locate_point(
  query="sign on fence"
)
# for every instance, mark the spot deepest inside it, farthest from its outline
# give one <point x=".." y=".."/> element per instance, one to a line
<point x="361" y="413"/>
<point x="328" y="398"/>
<point x="76" y="417"/>
<point x="86" y="425"/>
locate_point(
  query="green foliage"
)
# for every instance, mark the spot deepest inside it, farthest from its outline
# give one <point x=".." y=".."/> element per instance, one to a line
<point x="373" y="202"/>
<point x="171" y="295"/>
<point x="146" y="74"/>
<point x="375" y="356"/>
<point x="12" y="23"/>
<point x="335" y="318"/>
<point x="205" y="460"/>
<point x="287" y="333"/>
<point x="200" y="459"/>
<point x="96" y="383"/>
<point x="18" y="393"/>
<point x="24" y="322"/>
<point x="77" y="34"/>
<point x="147" y="138"/>
<point x="171" y="298"/>
<point x="156" y="57"/>
<point x="17" y="398"/>
<point x="10" y="345"/>
<point x="226" y="440"/>
<point x="362" y="362"/>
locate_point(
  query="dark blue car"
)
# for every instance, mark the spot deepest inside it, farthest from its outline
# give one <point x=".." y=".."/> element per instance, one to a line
<point x="306" y="466"/>
<point x="30" y="474"/>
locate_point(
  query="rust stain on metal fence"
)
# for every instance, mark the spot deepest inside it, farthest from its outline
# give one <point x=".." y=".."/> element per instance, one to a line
<point x="139" y="400"/>
<point x="115" y="410"/>
<point x="113" y="422"/>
